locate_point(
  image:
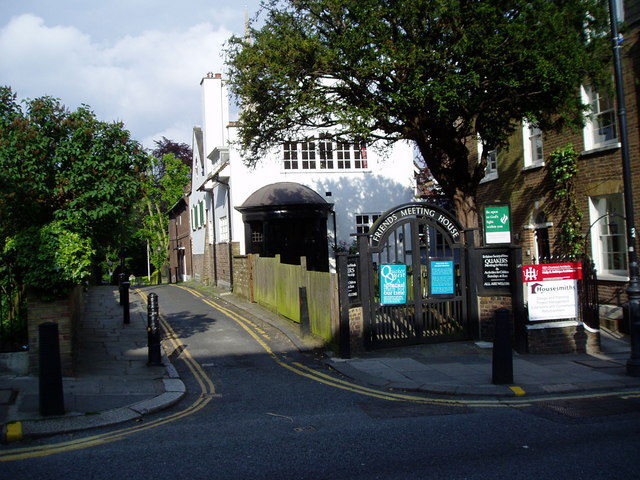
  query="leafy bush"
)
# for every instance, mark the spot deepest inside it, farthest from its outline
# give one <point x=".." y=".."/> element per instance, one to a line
<point x="50" y="259"/>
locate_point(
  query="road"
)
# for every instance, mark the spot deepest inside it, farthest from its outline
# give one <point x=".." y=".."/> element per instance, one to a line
<point x="256" y="408"/>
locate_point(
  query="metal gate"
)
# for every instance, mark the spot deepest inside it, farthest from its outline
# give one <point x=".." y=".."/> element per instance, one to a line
<point x="420" y="247"/>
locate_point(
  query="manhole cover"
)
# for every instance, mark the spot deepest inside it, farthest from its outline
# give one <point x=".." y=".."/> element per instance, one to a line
<point x="405" y="409"/>
<point x="8" y="397"/>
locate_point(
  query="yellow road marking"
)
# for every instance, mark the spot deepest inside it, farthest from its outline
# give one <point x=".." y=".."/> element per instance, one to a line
<point x="518" y="391"/>
<point x="333" y="381"/>
<point x="13" y="432"/>
<point x="207" y="392"/>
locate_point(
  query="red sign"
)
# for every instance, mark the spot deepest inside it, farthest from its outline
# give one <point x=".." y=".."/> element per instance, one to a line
<point x="552" y="271"/>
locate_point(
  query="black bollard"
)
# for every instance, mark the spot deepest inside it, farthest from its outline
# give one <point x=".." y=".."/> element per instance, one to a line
<point x="153" y="331"/>
<point x="502" y="352"/>
<point x="121" y="279"/>
<point x="50" y="381"/>
<point x="305" y="326"/>
<point x="124" y="301"/>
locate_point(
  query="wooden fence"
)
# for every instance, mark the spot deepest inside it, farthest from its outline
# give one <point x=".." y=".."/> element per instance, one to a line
<point x="276" y="286"/>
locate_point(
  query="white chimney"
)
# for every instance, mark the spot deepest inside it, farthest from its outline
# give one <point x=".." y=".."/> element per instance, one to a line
<point x="215" y="112"/>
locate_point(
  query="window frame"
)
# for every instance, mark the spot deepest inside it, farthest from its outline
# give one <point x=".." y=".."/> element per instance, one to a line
<point x="364" y="220"/>
<point x="530" y="132"/>
<point x="491" y="170"/>
<point x="600" y="215"/>
<point x="323" y="155"/>
<point x="593" y="140"/>
<point x="223" y="229"/>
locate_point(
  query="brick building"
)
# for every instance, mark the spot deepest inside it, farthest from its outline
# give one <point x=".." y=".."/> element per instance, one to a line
<point x="180" y="242"/>
<point x="520" y="176"/>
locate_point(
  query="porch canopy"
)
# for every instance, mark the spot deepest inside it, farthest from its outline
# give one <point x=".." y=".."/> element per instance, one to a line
<point x="288" y="219"/>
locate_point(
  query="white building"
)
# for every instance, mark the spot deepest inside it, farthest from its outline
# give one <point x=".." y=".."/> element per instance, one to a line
<point x="305" y="198"/>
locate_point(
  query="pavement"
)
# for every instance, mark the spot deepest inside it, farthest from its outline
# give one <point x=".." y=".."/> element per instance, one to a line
<point x="114" y="384"/>
<point x="112" y="381"/>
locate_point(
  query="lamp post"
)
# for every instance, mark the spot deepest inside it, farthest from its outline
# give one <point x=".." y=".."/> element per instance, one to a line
<point x="633" y="290"/>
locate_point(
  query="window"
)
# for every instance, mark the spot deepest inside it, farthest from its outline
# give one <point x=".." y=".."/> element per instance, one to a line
<point x="600" y="127"/>
<point x="308" y="155"/>
<point x="224" y="229"/>
<point x="324" y="154"/>
<point x="364" y="221"/>
<point x="532" y="143"/>
<point x="343" y="153"/>
<point x="325" y="148"/>
<point x="541" y="236"/>
<point x="256" y="237"/>
<point x="197" y="216"/>
<point x="608" y="237"/>
<point x="360" y="156"/>
<point x="290" y="156"/>
<point x="491" y="170"/>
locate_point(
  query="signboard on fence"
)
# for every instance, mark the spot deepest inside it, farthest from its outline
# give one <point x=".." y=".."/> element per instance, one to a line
<point x="352" y="280"/>
<point x="441" y="277"/>
<point x="496" y="268"/>
<point x="393" y="284"/>
<point x="551" y="290"/>
<point x="497" y="224"/>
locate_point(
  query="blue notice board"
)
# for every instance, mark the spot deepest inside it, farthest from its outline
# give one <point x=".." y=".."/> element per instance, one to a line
<point x="393" y="284"/>
<point x="441" y="275"/>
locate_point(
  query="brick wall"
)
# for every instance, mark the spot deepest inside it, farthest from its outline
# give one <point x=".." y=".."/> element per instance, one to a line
<point x="66" y="313"/>
<point x="356" y="329"/>
<point x="197" y="263"/>
<point x="487" y="309"/>
<point x="241" y="276"/>
<point x="568" y="339"/>
<point x="224" y="265"/>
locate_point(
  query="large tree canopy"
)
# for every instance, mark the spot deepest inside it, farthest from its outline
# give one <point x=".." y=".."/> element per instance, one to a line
<point x="66" y="177"/>
<point x="63" y="165"/>
<point x="441" y="73"/>
<point x="166" y="183"/>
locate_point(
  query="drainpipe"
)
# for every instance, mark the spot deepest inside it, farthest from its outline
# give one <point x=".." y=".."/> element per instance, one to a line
<point x="230" y="237"/>
<point x="213" y="241"/>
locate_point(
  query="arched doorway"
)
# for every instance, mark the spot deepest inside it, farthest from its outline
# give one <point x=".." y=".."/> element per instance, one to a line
<point x="413" y="267"/>
<point x="290" y="220"/>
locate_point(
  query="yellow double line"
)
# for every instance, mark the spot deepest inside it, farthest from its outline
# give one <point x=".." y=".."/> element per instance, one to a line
<point x="207" y="392"/>
<point x="258" y="334"/>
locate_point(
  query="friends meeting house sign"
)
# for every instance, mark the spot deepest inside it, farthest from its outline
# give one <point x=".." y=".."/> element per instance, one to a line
<point x="432" y="213"/>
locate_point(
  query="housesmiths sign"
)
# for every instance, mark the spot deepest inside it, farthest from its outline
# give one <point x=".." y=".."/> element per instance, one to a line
<point x="429" y="212"/>
<point x="551" y="290"/>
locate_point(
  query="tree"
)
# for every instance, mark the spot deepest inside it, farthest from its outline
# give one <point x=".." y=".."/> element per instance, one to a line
<point x="65" y="168"/>
<point x="179" y="150"/>
<point x="161" y="193"/>
<point x="442" y="74"/>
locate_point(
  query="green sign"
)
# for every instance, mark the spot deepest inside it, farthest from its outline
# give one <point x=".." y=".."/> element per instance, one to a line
<point x="497" y="224"/>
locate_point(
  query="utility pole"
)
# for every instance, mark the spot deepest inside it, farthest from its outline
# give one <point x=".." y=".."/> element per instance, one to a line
<point x="633" y="290"/>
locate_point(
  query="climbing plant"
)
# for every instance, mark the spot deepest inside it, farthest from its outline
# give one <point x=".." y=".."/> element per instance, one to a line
<point x="563" y="168"/>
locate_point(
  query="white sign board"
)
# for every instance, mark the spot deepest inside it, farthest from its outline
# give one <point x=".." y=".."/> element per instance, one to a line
<point x="551" y="290"/>
<point x="553" y="300"/>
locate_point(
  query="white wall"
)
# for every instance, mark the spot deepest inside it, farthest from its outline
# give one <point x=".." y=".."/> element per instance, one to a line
<point x="215" y="118"/>
<point x="387" y="182"/>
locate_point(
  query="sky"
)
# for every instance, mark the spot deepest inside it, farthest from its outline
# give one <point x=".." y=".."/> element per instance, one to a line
<point x="139" y="62"/>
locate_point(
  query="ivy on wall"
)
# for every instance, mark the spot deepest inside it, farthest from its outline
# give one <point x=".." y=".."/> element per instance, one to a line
<point x="563" y="168"/>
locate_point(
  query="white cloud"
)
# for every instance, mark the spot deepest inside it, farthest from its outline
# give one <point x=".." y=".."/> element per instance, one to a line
<point x="149" y="80"/>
